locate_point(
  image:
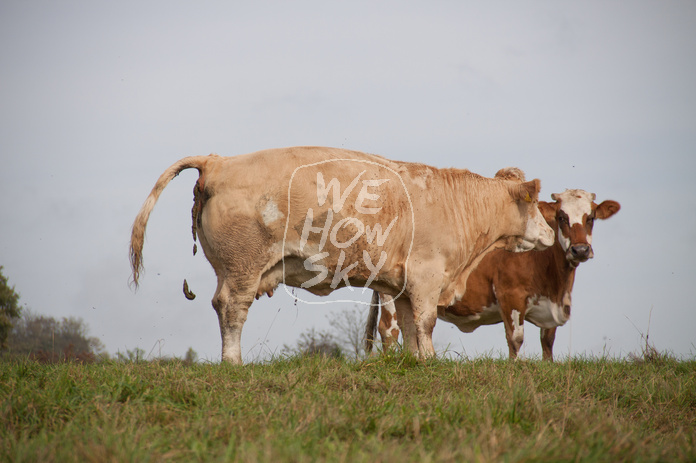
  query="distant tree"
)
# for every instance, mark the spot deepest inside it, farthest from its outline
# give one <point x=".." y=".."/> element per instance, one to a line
<point x="9" y="309"/>
<point x="313" y="342"/>
<point x="349" y="325"/>
<point x="46" y="338"/>
<point x="346" y="338"/>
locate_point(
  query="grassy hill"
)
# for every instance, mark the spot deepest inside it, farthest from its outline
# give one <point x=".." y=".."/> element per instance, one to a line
<point x="390" y="408"/>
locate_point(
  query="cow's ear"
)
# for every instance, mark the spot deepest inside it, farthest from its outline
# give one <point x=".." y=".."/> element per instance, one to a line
<point x="527" y="191"/>
<point x="606" y="209"/>
<point x="548" y="210"/>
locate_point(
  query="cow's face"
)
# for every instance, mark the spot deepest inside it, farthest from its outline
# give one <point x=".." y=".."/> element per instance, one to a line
<point x="538" y="235"/>
<point x="574" y="213"/>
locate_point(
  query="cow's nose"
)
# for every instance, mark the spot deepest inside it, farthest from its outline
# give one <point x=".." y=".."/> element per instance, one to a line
<point x="580" y="251"/>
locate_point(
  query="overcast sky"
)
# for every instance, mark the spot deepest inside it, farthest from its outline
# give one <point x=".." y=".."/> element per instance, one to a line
<point x="98" y="98"/>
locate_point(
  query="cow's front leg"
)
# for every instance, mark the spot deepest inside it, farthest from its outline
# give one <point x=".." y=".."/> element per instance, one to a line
<point x="405" y="317"/>
<point x="548" y="336"/>
<point x="514" y="327"/>
<point x="425" y="316"/>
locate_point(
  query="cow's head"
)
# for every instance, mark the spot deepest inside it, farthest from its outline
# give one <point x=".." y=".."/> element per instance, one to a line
<point x="536" y="233"/>
<point x="573" y="215"/>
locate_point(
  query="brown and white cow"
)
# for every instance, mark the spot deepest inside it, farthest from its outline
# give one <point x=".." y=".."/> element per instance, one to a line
<point x="512" y="288"/>
<point x="324" y="218"/>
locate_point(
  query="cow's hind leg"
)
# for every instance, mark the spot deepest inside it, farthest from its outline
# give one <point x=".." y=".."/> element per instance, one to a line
<point x="232" y="307"/>
<point x="404" y="315"/>
<point x="237" y="248"/>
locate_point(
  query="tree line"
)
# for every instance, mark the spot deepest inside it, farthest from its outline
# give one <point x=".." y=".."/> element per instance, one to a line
<point x="43" y="338"/>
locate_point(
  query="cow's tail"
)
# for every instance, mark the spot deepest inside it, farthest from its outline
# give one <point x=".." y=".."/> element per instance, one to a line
<point x="371" y="326"/>
<point x="138" y="233"/>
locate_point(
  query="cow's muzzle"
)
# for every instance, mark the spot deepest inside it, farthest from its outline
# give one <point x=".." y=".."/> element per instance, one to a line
<point x="579" y="253"/>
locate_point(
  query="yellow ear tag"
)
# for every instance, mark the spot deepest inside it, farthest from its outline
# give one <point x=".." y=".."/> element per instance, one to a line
<point x="528" y="198"/>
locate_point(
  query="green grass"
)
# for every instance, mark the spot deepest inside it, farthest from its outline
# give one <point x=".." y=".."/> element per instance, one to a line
<point x="387" y="408"/>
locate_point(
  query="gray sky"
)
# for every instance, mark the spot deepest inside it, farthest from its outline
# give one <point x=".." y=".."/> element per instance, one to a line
<point x="97" y="99"/>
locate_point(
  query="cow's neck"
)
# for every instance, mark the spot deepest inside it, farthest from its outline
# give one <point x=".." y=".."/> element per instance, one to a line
<point x="486" y="203"/>
<point x="566" y="271"/>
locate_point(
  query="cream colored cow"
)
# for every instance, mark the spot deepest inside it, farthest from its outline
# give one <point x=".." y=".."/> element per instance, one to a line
<point x="325" y="218"/>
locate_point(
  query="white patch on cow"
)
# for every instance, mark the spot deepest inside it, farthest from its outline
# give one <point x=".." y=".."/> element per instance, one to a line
<point x="271" y="213"/>
<point x="488" y="316"/>
<point x="544" y="313"/>
<point x="517" y="327"/>
<point x="420" y="181"/>
<point x="564" y="240"/>
<point x="389" y="306"/>
<point x="576" y="204"/>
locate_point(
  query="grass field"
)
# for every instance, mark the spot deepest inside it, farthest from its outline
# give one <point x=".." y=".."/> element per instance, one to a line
<point x="390" y="408"/>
